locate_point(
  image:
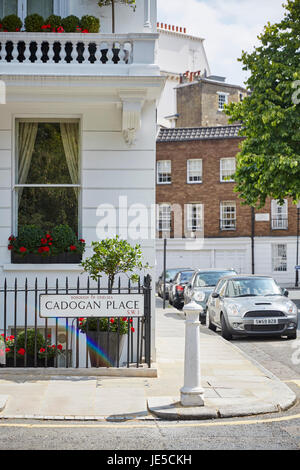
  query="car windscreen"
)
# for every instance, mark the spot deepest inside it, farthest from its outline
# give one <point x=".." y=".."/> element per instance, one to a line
<point x="252" y="287"/>
<point x="171" y="273"/>
<point x="186" y="276"/>
<point x="211" y="279"/>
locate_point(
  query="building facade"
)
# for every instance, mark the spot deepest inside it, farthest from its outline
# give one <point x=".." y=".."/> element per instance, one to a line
<point x="177" y="52"/>
<point x="200" y="101"/>
<point x="203" y="218"/>
<point x="87" y="109"/>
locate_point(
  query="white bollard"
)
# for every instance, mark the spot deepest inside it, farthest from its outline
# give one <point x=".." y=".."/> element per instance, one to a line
<point x="192" y="393"/>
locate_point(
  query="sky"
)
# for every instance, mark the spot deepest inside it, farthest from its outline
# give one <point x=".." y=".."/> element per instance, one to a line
<point x="228" y="27"/>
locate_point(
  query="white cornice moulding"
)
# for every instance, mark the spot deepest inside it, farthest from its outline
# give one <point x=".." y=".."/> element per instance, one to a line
<point x="132" y="114"/>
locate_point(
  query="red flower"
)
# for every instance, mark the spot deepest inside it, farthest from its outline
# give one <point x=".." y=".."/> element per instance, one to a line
<point x="48" y="236"/>
<point x="82" y="240"/>
<point x="124" y="319"/>
<point x="44" y="241"/>
<point x="60" y="29"/>
<point x="47" y="249"/>
<point x="7" y="349"/>
<point x="73" y="248"/>
<point x="41" y="249"/>
<point x="132" y="329"/>
<point x="2" y="334"/>
<point x="112" y="320"/>
<point x="59" y="346"/>
<point x="23" y="249"/>
<point x="85" y="31"/>
<point x="49" y="336"/>
<point x="10" y="247"/>
<point x="17" y="30"/>
<point x="42" y="350"/>
<point x="21" y="351"/>
<point x="11" y="337"/>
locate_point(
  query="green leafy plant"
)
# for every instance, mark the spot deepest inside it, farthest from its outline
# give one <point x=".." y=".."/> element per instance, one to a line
<point x="70" y="23"/>
<point x="54" y="21"/>
<point x="32" y="239"/>
<point x="90" y="24"/>
<point x="268" y="164"/>
<point x="11" y="23"/>
<point x="121" y="325"/>
<point x="113" y="256"/>
<point x="25" y="343"/>
<point x="33" y="23"/>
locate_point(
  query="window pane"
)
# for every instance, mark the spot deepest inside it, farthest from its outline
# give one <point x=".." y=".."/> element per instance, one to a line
<point x="194" y="171"/>
<point x="48" y="153"/>
<point x="42" y="7"/>
<point x="48" y="207"/>
<point x="8" y="7"/>
<point x="164" y="171"/>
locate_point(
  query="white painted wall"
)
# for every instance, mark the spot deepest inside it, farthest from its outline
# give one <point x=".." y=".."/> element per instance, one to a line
<point x="127" y="20"/>
<point x="177" y="53"/>
<point x="109" y="169"/>
<point x="229" y="253"/>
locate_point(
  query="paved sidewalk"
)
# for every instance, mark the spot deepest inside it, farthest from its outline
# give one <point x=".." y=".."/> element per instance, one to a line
<point x="234" y="386"/>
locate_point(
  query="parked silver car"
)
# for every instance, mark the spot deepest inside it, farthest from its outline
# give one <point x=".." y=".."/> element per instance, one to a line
<point x="251" y="305"/>
<point x="202" y="285"/>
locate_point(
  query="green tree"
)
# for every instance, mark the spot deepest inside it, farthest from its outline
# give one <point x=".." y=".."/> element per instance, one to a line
<point x="269" y="161"/>
<point x="103" y="3"/>
<point x="113" y="256"/>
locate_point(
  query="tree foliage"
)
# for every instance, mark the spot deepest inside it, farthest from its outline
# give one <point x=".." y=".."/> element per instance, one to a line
<point x="269" y="161"/>
<point x="113" y="256"/>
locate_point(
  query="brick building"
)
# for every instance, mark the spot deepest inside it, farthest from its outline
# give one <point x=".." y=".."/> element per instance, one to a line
<point x="203" y="217"/>
<point x="200" y="102"/>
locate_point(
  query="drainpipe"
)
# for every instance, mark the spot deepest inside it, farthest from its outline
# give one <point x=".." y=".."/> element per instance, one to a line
<point x="252" y="239"/>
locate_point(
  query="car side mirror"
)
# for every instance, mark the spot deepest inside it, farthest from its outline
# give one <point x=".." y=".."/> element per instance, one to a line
<point x="285" y="292"/>
<point x="215" y="295"/>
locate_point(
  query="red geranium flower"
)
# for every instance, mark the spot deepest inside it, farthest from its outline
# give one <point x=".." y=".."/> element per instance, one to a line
<point x="59" y="346"/>
<point x="73" y="248"/>
<point x="82" y="240"/>
<point x="7" y="349"/>
<point x="21" y="351"/>
<point x="42" y="350"/>
<point x="132" y="329"/>
<point x="47" y="249"/>
<point x="85" y="31"/>
<point x="60" y="29"/>
<point x="112" y="320"/>
<point x="41" y="249"/>
<point x="23" y="249"/>
<point x="10" y="247"/>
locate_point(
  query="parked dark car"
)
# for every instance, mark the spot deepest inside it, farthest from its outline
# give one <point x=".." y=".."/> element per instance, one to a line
<point x="176" y="288"/>
<point x="170" y="274"/>
<point x="202" y="285"/>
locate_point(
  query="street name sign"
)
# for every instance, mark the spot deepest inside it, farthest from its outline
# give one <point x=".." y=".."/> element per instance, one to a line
<point x="87" y="305"/>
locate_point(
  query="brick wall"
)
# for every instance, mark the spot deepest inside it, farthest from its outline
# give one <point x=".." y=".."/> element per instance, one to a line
<point x="211" y="191"/>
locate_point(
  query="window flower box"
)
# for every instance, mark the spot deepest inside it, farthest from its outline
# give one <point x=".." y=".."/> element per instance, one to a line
<point x="33" y="258"/>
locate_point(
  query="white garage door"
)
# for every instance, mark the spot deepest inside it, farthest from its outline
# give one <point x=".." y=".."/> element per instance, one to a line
<point x="186" y="259"/>
<point x="235" y="259"/>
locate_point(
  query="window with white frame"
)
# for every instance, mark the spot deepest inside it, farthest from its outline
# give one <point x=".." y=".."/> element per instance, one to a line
<point x="23" y="8"/>
<point x="279" y="257"/>
<point x="279" y="215"/>
<point x="227" y="169"/>
<point x="47" y="177"/>
<point x="228" y="215"/>
<point x="194" y="171"/>
<point x="222" y="100"/>
<point x="194" y="217"/>
<point x="164" y="217"/>
<point x="164" y="172"/>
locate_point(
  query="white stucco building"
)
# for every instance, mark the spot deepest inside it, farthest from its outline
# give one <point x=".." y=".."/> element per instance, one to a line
<point x="102" y="98"/>
<point x="177" y="53"/>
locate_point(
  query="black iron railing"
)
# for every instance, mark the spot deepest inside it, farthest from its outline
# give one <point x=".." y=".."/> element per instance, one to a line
<point x="20" y="317"/>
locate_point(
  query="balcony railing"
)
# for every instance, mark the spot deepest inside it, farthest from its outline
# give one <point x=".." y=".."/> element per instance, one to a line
<point x="280" y="224"/>
<point x="227" y="224"/>
<point x="71" y="49"/>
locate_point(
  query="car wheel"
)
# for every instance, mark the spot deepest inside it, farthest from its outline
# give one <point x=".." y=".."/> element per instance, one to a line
<point x="292" y="335"/>
<point x="202" y="320"/>
<point x="178" y="306"/>
<point x="209" y="324"/>
<point x="225" y="333"/>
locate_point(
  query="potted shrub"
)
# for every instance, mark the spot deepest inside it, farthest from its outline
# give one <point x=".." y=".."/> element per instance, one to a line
<point x="90" y="24"/>
<point x="70" y="24"/>
<point x="111" y="257"/>
<point x="11" y="23"/>
<point x="25" y="344"/>
<point x="33" y="23"/>
<point x="33" y="245"/>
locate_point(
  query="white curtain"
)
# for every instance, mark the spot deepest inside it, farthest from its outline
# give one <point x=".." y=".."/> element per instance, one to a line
<point x="26" y="141"/>
<point x="69" y="136"/>
<point x="42" y="7"/>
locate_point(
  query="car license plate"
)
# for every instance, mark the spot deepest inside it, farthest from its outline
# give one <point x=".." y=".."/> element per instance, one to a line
<point x="266" y="321"/>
